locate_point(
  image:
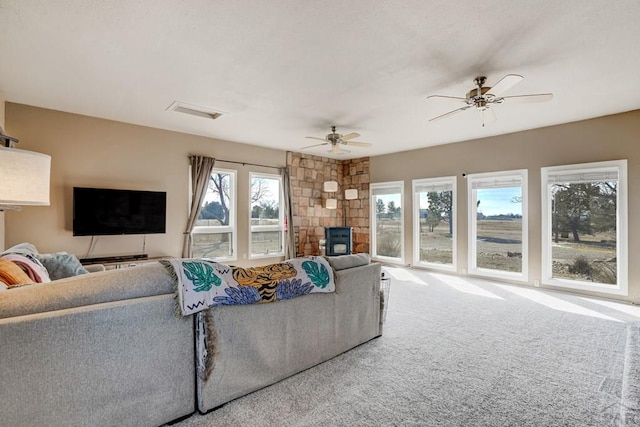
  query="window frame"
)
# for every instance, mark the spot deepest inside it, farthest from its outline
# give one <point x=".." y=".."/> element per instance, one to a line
<point x="622" y="227"/>
<point x="373" y="236"/>
<point x="472" y="210"/>
<point x="440" y="181"/>
<point x="262" y="228"/>
<point x="224" y="229"/>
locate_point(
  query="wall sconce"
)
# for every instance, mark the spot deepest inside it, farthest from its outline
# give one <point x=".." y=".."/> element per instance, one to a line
<point x="24" y="176"/>
<point x="330" y="187"/>
<point x="351" y="194"/>
<point x="331" y="204"/>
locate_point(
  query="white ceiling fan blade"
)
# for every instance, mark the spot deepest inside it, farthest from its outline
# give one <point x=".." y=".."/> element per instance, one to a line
<point x="313" y="137"/>
<point x="350" y="136"/>
<point x="358" y="144"/>
<point x="504" y="84"/>
<point x="538" y="97"/>
<point x="315" y="145"/>
<point x="450" y="113"/>
<point x="450" y="98"/>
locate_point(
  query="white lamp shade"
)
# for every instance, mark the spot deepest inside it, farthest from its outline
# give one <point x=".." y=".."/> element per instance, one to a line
<point x="332" y="204"/>
<point x="24" y="177"/>
<point x="330" y="186"/>
<point x="351" y="194"/>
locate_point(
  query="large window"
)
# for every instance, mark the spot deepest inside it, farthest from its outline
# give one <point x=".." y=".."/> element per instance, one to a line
<point x="498" y="224"/>
<point x="584" y="240"/>
<point x="267" y="216"/>
<point x="434" y="223"/>
<point x="387" y="226"/>
<point x="214" y="235"/>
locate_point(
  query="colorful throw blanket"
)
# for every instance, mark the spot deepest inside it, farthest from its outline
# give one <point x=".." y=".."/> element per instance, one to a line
<point x="203" y="283"/>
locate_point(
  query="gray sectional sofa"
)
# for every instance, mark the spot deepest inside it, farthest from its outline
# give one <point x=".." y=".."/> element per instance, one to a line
<point x="107" y="349"/>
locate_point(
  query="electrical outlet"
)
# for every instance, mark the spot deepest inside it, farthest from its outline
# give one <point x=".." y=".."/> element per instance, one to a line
<point x="244" y="256"/>
<point x="536" y="283"/>
<point x="464" y="271"/>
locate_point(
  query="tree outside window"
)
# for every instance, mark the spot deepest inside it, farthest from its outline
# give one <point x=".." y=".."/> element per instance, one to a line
<point x="585" y="217"/>
<point x="214" y="231"/>
<point x="267" y="219"/>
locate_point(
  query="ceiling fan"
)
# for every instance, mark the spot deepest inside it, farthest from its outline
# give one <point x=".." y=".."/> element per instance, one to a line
<point x="482" y="97"/>
<point x="335" y="140"/>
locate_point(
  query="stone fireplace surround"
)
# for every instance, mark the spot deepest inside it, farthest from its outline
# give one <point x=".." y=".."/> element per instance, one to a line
<point x="310" y="217"/>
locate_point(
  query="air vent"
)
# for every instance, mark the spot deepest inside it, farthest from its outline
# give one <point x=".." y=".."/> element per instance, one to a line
<point x="195" y="110"/>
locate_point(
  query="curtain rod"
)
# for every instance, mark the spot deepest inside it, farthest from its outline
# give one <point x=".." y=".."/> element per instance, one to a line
<point x="247" y="163"/>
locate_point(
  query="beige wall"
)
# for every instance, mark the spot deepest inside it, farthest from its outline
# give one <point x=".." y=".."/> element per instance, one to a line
<point x="606" y="138"/>
<point x="90" y="152"/>
<point x="2" y="98"/>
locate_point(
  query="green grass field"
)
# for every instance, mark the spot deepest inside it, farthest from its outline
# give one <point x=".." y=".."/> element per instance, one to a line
<point x="499" y="247"/>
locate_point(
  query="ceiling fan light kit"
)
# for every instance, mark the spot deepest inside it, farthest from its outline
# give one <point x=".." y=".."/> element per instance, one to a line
<point x="482" y="97"/>
<point x="336" y="141"/>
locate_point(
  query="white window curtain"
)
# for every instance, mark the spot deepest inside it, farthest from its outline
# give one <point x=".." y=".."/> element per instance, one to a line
<point x="498" y="182"/>
<point x="577" y="177"/>
<point x="386" y="190"/>
<point x="428" y="187"/>
<point x="201" y="168"/>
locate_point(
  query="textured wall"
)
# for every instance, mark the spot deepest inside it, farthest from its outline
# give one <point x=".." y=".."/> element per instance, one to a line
<point x="355" y="174"/>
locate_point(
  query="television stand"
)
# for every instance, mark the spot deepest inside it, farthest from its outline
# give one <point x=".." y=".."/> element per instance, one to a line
<point x="114" y="259"/>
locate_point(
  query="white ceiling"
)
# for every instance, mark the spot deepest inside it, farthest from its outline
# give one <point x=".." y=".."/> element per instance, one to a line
<point x="286" y="69"/>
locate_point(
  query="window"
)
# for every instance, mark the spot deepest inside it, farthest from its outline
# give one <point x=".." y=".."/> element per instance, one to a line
<point x="498" y="224"/>
<point x="214" y="235"/>
<point x="584" y="223"/>
<point x="434" y="223"/>
<point x="267" y="216"/>
<point x="388" y="221"/>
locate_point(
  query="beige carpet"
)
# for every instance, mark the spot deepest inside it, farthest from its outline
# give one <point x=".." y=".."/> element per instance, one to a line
<point x="463" y="352"/>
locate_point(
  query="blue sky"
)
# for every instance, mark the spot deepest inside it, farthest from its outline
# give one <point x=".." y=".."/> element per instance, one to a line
<point x="496" y="201"/>
<point x="493" y="201"/>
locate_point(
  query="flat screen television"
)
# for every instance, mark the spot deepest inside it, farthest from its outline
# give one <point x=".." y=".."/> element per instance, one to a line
<point x="104" y="212"/>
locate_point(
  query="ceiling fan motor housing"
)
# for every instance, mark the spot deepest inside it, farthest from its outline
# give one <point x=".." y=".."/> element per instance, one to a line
<point x="478" y="97"/>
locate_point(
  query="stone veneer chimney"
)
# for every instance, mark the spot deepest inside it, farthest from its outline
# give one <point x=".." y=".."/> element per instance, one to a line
<point x="310" y="217"/>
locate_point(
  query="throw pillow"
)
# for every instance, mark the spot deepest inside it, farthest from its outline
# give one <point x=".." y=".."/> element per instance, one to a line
<point x="12" y="275"/>
<point x="61" y="265"/>
<point x="30" y="265"/>
<point x="22" y="248"/>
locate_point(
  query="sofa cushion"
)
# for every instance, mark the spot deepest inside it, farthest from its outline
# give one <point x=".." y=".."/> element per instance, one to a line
<point x="12" y="275"/>
<point x="342" y="262"/>
<point x="61" y="265"/>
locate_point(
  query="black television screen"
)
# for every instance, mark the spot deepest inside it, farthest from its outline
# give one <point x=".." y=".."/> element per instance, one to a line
<point x="103" y="212"/>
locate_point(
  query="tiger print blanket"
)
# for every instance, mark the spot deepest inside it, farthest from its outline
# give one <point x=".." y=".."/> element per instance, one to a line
<point x="202" y="283"/>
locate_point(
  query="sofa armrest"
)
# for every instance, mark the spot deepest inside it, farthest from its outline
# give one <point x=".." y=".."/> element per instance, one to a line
<point x="94" y="268"/>
<point x="343" y="262"/>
